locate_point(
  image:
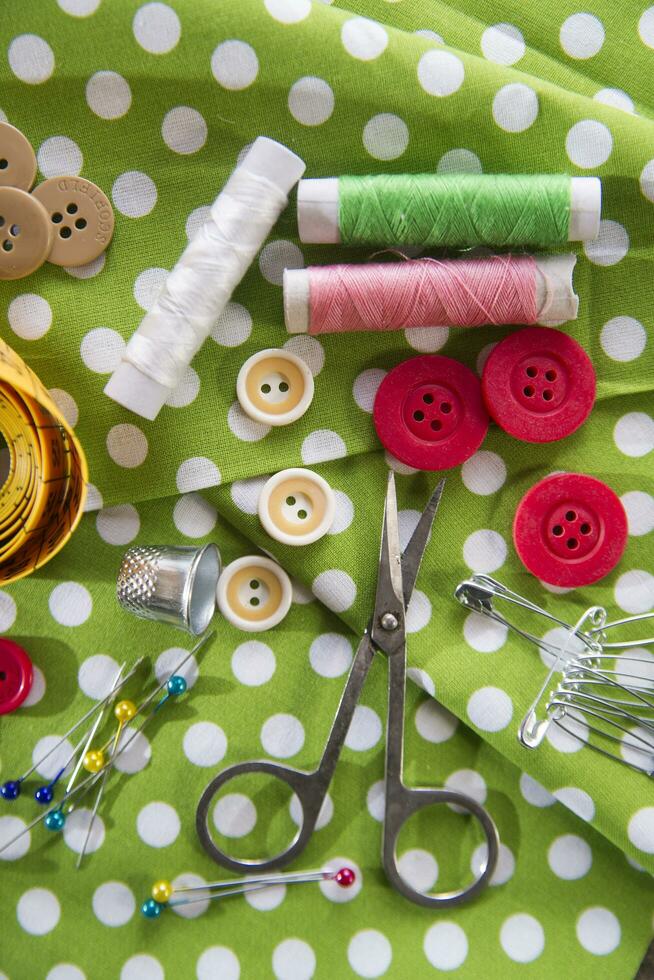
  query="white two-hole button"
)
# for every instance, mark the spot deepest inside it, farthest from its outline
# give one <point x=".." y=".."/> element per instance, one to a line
<point x="297" y="507"/>
<point x="254" y="593"/>
<point x="275" y="387"/>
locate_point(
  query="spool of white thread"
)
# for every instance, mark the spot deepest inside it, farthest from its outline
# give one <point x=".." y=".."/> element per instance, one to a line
<point x="198" y="288"/>
<point x="556" y="300"/>
<point x="317" y="210"/>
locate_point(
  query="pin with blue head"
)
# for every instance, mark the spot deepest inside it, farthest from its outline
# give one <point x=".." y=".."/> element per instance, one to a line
<point x="11" y="789"/>
<point x="175" y="686"/>
<point x="55" y="820"/>
<point x="45" y="794"/>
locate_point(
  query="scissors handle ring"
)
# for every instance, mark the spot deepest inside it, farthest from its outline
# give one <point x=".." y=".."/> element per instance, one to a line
<point x="401" y="803"/>
<point x="303" y="785"/>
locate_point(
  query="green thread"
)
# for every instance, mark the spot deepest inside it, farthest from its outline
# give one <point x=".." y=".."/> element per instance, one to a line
<point x="454" y="209"/>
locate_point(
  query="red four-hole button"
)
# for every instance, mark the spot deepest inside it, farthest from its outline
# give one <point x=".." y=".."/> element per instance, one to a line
<point x="15" y="676"/>
<point x="429" y="412"/>
<point x="570" y="530"/>
<point x="539" y="384"/>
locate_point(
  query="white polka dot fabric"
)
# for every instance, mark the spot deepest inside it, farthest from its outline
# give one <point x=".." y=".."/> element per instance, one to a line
<point x="156" y="102"/>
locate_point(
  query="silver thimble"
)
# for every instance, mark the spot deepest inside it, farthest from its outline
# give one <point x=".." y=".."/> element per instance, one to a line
<point x="170" y="584"/>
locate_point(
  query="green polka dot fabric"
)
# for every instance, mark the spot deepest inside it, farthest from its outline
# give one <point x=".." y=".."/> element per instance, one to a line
<point x="156" y="102"/>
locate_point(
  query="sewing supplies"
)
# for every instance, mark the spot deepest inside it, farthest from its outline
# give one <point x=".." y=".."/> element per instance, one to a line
<point x="82" y="218"/>
<point x="66" y="220"/>
<point x="170" y="584"/>
<point x="386" y="631"/>
<point x="99" y="761"/>
<point x="254" y="593"/>
<point x="449" y="209"/>
<point x="17" y="158"/>
<point x="275" y="387"/>
<point x="200" y="285"/>
<point x="570" y="530"/>
<point x="42" y="499"/>
<point x="167" y="895"/>
<point x="604" y="697"/>
<point x="16" y="675"/>
<point x="296" y="506"/>
<point x="538" y="384"/>
<point x="429" y="412"/>
<point x="463" y="292"/>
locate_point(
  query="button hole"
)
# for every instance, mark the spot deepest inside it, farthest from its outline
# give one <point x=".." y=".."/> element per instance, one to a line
<point x="302" y="514"/>
<point x="254" y="584"/>
<point x="283" y="386"/>
<point x="532" y="372"/>
<point x="419" y="416"/>
<point x="571" y="515"/>
<point x="436" y="425"/>
<point x="7" y="245"/>
<point x="290" y="501"/>
<point x="3" y="676"/>
<point x="585" y="528"/>
<point x="528" y="391"/>
<point x="71" y="208"/>
<point x="57" y="217"/>
<point x="446" y="408"/>
<point x="2" y="221"/>
<point x="428" y="399"/>
<point x="557" y="530"/>
<point x="265" y="389"/>
<point x="80" y="223"/>
<point x="15" y="230"/>
<point x="65" y="232"/>
<point x="548" y="395"/>
<point x="572" y="544"/>
<point x="4" y="164"/>
<point x="254" y="601"/>
<point x="550" y="375"/>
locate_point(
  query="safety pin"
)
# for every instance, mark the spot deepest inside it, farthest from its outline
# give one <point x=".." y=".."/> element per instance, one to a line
<point x="163" y="892"/>
<point x="532" y="730"/>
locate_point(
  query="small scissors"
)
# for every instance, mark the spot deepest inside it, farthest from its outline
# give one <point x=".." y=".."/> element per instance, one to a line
<point x="386" y="632"/>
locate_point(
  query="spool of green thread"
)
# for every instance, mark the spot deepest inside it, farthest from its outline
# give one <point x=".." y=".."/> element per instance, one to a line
<point x="458" y="210"/>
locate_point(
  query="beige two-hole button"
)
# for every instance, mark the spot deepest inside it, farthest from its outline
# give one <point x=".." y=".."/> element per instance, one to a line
<point x="81" y="216"/>
<point x="17" y="159"/>
<point x="254" y="593"/>
<point x="25" y="233"/>
<point x="274" y="387"/>
<point x="297" y="507"/>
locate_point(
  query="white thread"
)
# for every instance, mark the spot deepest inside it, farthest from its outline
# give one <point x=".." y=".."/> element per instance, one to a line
<point x="200" y="285"/>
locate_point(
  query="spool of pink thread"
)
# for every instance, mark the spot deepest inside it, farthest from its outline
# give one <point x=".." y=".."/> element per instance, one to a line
<point x="465" y="292"/>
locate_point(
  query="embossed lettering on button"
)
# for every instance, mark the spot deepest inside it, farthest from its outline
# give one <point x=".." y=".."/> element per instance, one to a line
<point x="275" y="387"/>
<point x="296" y="506"/>
<point x="25" y="233"/>
<point x="429" y="412"/>
<point x="539" y="384"/>
<point x="15" y="675"/>
<point x="254" y="593"/>
<point x="81" y="216"/>
<point x="17" y="158"/>
<point x="570" y="530"/>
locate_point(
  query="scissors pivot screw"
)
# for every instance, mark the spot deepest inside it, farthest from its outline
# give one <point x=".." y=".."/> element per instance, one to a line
<point x="389" y="622"/>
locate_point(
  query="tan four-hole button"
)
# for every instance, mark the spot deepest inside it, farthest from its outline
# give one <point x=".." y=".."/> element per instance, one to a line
<point x="25" y="233"/>
<point x="81" y="216"/>
<point x="17" y="159"/>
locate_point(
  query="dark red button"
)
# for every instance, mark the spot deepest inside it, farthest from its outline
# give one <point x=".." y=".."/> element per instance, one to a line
<point x="429" y="412"/>
<point x="570" y="530"/>
<point x="15" y="676"/>
<point x="538" y="384"/>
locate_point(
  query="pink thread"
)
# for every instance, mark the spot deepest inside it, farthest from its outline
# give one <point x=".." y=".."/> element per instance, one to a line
<point x="423" y="292"/>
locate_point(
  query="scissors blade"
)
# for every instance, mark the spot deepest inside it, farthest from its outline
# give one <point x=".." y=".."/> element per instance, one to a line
<point x="390" y="560"/>
<point x="415" y="549"/>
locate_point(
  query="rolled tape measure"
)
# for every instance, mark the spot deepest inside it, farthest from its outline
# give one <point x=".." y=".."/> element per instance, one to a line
<point x="42" y="499"/>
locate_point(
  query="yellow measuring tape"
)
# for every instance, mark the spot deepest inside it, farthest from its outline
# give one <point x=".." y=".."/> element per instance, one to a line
<point x="42" y="500"/>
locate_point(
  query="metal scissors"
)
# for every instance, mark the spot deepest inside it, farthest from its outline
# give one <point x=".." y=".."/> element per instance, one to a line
<point x="386" y="632"/>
